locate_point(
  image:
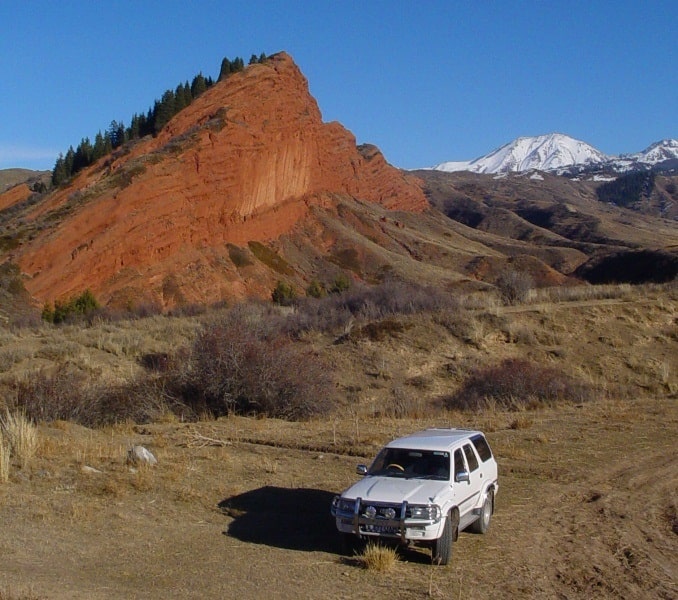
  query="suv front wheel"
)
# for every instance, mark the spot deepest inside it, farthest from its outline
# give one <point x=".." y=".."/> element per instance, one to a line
<point x="441" y="553"/>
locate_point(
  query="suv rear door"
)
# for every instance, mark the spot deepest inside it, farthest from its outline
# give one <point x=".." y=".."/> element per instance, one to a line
<point x="467" y="493"/>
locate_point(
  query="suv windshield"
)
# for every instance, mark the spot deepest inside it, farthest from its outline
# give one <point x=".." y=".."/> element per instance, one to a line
<point x="416" y="464"/>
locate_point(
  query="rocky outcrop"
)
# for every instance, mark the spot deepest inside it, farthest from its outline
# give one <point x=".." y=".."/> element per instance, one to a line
<point x="243" y="162"/>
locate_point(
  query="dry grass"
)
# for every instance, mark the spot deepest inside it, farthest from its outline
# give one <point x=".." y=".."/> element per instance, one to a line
<point x="4" y="460"/>
<point x="21" y="436"/>
<point x="379" y="558"/>
<point x="10" y="594"/>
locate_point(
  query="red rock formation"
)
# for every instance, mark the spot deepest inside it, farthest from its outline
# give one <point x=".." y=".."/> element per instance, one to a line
<point x="243" y="162"/>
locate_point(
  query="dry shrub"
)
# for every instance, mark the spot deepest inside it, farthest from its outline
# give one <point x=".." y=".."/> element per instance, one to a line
<point x="4" y="460"/>
<point x="378" y="331"/>
<point x="376" y="557"/>
<point x="514" y="286"/>
<point x="389" y="299"/>
<point x="45" y="397"/>
<point x="246" y="365"/>
<point x="19" y="435"/>
<point x="67" y="395"/>
<point x="404" y="404"/>
<point x="517" y="383"/>
<point x="147" y="398"/>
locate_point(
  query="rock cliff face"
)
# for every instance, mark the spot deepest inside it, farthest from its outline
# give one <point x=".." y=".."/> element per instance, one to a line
<point x="244" y="162"/>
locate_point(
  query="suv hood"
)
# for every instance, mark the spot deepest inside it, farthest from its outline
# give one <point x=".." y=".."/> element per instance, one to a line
<point x="394" y="490"/>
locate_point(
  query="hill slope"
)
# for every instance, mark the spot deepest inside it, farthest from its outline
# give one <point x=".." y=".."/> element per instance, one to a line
<point x="243" y="162"/>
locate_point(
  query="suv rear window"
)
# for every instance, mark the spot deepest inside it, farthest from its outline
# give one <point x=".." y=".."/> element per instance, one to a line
<point x="470" y="458"/>
<point x="482" y="447"/>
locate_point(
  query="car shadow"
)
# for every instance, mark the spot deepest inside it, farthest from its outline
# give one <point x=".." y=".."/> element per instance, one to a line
<point x="294" y="519"/>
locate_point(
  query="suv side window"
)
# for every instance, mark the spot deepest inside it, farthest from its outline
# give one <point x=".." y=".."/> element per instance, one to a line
<point x="458" y="463"/>
<point x="482" y="447"/>
<point x="470" y="457"/>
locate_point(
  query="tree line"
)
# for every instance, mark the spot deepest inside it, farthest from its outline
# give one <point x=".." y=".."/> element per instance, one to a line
<point x="149" y="123"/>
<point x="627" y="189"/>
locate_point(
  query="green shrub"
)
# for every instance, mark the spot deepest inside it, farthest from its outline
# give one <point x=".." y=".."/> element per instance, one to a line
<point x="63" y="311"/>
<point x="238" y="256"/>
<point x="283" y="294"/>
<point x="316" y="289"/>
<point x="270" y="258"/>
<point x="341" y="284"/>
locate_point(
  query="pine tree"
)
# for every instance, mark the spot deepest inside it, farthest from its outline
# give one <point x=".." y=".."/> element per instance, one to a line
<point x="179" y="99"/>
<point x="226" y="69"/>
<point x="116" y="134"/>
<point x="253" y="60"/>
<point x="59" y="174"/>
<point x="165" y="111"/>
<point x="68" y="162"/>
<point x="83" y="155"/>
<point x="148" y="126"/>
<point x="238" y="64"/>
<point x="198" y="86"/>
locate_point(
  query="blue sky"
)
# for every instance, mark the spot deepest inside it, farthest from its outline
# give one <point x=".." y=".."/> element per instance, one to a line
<point x="426" y="81"/>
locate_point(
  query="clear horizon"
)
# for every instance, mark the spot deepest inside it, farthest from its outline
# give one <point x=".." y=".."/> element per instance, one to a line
<point x="426" y="83"/>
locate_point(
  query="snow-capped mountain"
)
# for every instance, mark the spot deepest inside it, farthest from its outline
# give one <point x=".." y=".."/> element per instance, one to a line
<point x="560" y="153"/>
<point x="656" y="153"/>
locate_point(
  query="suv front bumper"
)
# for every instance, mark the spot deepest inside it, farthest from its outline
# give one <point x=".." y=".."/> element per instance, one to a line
<point x="394" y="521"/>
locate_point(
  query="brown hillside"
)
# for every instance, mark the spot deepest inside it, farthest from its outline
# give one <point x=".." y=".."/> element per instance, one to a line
<point x="14" y="195"/>
<point x="244" y="162"/>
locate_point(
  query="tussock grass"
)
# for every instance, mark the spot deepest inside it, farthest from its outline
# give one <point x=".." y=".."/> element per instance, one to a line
<point x="376" y="557"/>
<point x="21" y="436"/>
<point x="4" y="460"/>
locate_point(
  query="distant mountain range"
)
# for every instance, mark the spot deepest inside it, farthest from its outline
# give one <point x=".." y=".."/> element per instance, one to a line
<point x="564" y="155"/>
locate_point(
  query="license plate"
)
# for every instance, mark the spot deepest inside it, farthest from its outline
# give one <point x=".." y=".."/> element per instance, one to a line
<point x="381" y="529"/>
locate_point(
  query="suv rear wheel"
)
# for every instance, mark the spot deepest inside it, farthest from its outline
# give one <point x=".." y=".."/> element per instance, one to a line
<point x="483" y="522"/>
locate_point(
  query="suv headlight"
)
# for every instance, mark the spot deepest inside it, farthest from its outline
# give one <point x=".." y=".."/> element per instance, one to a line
<point x="343" y="504"/>
<point x="430" y="512"/>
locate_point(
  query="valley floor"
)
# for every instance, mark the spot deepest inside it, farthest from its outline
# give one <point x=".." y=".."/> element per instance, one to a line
<point x="239" y="508"/>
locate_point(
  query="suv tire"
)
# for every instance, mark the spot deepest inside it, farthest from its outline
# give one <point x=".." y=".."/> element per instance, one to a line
<point x="483" y="522"/>
<point x="441" y="553"/>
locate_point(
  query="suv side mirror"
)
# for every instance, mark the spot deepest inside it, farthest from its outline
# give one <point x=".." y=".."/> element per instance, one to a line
<point x="460" y="476"/>
<point x="361" y="469"/>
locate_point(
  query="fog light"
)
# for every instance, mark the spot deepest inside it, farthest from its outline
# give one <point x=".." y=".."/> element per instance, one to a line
<point x="390" y="513"/>
<point x="371" y="512"/>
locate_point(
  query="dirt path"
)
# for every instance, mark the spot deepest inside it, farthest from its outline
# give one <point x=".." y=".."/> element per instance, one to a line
<point x="587" y="508"/>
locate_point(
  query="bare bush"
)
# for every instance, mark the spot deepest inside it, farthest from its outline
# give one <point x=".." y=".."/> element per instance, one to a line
<point x="516" y="383"/>
<point x="514" y="286"/>
<point x="52" y="397"/>
<point x="147" y="398"/>
<point x="68" y="395"/>
<point x="334" y="312"/>
<point x="245" y="366"/>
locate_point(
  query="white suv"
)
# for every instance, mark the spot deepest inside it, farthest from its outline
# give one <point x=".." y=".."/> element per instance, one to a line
<point x="423" y="488"/>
